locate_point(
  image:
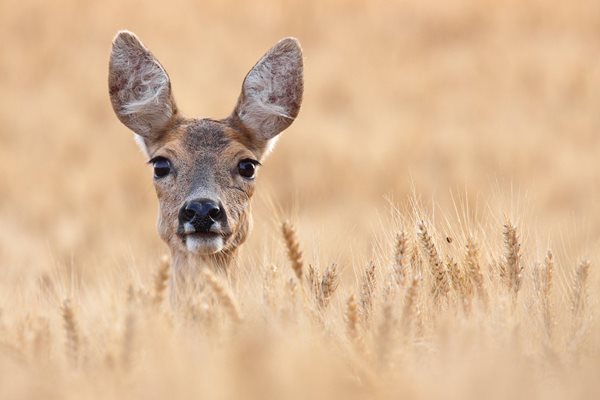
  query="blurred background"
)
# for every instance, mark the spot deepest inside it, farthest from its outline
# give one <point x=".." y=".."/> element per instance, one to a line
<point x="490" y="105"/>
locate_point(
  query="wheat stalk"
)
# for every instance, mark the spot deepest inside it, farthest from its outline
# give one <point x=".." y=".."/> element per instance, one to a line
<point x="511" y="269"/>
<point x="543" y="285"/>
<point x="410" y="304"/>
<point x="386" y="328"/>
<point x="313" y="279"/>
<point x="474" y="275"/>
<point x="416" y="262"/>
<point x="400" y="253"/>
<point x="579" y="292"/>
<point x="71" y="332"/>
<point x="440" y="285"/>
<point x="293" y="248"/>
<point x="129" y="332"/>
<point x="351" y="317"/>
<point x="456" y="276"/>
<point x="161" y="279"/>
<point x="328" y="285"/>
<point x="366" y="293"/>
<point x="223" y="295"/>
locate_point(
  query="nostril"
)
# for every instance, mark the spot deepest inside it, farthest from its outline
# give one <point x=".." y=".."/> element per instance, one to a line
<point x="214" y="213"/>
<point x="187" y="214"/>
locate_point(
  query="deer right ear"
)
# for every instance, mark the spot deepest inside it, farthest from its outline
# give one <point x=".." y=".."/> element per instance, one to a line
<point x="139" y="87"/>
<point x="272" y="92"/>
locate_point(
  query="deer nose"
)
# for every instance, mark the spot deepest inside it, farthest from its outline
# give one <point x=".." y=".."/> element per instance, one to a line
<point x="201" y="214"/>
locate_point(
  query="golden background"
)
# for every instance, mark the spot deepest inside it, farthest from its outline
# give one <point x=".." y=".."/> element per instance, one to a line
<point x="481" y="110"/>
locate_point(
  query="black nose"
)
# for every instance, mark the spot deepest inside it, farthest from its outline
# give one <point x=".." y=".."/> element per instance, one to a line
<point x="202" y="214"/>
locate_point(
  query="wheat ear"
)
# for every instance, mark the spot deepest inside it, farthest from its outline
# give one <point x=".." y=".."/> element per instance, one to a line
<point x="410" y="304"/>
<point x="579" y="291"/>
<point x="293" y="248"/>
<point x="223" y="295"/>
<point x="328" y="285"/>
<point x="474" y="275"/>
<point x="400" y="253"/>
<point x="161" y="279"/>
<point x="440" y="285"/>
<point x="367" y="290"/>
<point x="543" y="285"/>
<point x="71" y="332"/>
<point x="352" y="325"/>
<point x="511" y="269"/>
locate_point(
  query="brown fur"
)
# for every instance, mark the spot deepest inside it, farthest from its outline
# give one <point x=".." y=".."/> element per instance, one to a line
<point x="204" y="153"/>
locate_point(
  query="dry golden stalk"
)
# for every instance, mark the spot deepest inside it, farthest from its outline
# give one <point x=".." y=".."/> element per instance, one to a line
<point x="410" y="304"/>
<point x="223" y="295"/>
<point x="160" y="280"/>
<point x="400" y="253"/>
<point x="579" y="293"/>
<point x="129" y="331"/>
<point x="474" y="275"/>
<point x="293" y="248"/>
<point x="71" y="332"/>
<point x="314" y="280"/>
<point x="416" y="262"/>
<point x="41" y="339"/>
<point x="456" y="277"/>
<point x="269" y="286"/>
<point x="367" y="290"/>
<point x="543" y="285"/>
<point x="441" y="285"/>
<point x="511" y="269"/>
<point x="328" y="285"/>
<point x="385" y="336"/>
<point x="352" y="325"/>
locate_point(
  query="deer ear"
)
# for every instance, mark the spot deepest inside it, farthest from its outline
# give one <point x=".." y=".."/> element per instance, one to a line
<point x="139" y="87"/>
<point x="272" y="92"/>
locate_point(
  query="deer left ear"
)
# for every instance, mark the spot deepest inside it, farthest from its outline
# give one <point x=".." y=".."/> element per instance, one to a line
<point x="272" y="92"/>
<point x="139" y="87"/>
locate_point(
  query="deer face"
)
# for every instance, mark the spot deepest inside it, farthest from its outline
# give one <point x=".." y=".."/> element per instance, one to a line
<point x="204" y="169"/>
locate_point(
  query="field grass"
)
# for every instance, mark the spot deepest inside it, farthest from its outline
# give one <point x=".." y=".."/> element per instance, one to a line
<point x="441" y="187"/>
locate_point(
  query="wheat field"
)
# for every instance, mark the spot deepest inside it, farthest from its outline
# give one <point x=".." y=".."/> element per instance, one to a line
<point x="427" y="228"/>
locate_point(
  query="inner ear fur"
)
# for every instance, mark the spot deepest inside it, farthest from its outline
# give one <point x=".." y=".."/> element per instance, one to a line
<point x="139" y="87"/>
<point x="271" y="94"/>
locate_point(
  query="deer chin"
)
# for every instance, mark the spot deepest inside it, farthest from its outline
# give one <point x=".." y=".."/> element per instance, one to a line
<point x="204" y="243"/>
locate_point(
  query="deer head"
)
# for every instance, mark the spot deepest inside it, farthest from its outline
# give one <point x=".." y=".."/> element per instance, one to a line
<point x="204" y="169"/>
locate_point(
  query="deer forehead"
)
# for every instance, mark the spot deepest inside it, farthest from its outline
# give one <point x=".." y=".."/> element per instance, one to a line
<point x="203" y="151"/>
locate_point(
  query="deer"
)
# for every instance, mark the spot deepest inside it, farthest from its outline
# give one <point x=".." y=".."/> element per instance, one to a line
<point x="204" y="169"/>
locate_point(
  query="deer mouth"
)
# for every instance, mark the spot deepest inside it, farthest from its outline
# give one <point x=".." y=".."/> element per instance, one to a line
<point x="203" y="242"/>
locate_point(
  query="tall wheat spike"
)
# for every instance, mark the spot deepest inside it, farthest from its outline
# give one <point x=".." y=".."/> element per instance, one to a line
<point x="579" y="290"/>
<point x="161" y="279"/>
<point x="410" y="304"/>
<point x="416" y="262"/>
<point x="400" y="254"/>
<point x="366" y="293"/>
<point x="313" y="279"/>
<point x="328" y="285"/>
<point x="293" y="248"/>
<point x="440" y="286"/>
<point x="129" y="332"/>
<point x="511" y="269"/>
<point x="475" y="277"/>
<point x="352" y="319"/>
<point x="71" y="332"/>
<point x="456" y="276"/>
<point x="385" y="332"/>
<point x="223" y="295"/>
<point x="543" y="285"/>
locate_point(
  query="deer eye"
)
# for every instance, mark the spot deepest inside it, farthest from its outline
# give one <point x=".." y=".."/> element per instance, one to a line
<point x="247" y="168"/>
<point x="162" y="167"/>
